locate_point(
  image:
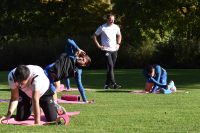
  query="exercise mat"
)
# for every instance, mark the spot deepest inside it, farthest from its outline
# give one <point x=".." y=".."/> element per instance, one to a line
<point x="30" y="120"/>
<point x="64" y="101"/>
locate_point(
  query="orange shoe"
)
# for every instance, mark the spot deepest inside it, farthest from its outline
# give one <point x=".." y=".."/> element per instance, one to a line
<point x="61" y="110"/>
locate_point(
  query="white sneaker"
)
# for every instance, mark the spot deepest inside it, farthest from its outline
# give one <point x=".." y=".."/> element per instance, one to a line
<point x="173" y="85"/>
<point x="61" y="110"/>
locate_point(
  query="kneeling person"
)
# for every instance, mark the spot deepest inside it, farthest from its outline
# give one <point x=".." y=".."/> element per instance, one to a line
<point x="156" y="78"/>
<point x="30" y="90"/>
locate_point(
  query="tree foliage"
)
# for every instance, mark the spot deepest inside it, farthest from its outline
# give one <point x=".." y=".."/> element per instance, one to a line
<point x="159" y="19"/>
<point x="46" y="19"/>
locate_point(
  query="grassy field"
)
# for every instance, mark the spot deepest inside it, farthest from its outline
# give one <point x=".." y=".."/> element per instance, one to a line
<point x="123" y="112"/>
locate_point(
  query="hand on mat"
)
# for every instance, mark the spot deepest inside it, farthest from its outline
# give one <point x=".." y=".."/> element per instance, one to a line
<point x="34" y="125"/>
<point x="89" y="101"/>
<point x="6" y="117"/>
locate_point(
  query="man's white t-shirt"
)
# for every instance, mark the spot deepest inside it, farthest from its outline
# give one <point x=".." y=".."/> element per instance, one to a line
<point x="108" y="36"/>
<point x="37" y="81"/>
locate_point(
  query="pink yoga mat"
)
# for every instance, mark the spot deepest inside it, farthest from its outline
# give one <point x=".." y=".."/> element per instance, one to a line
<point x="75" y="89"/>
<point x="58" y="101"/>
<point x="157" y="91"/>
<point x="4" y="100"/>
<point x="70" y="97"/>
<point x="30" y="120"/>
<point x="62" y="88"/>
<point x="64" y="101"/>
<point x="62" y="120"/>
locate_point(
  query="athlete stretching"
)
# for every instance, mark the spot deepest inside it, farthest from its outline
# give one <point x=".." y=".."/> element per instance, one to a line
<point x="66" y="66"/>
<point x="156" y="78"/>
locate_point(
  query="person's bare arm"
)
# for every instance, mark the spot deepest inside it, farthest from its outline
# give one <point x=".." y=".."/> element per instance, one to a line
<point x="12" y="105"/>
<point x="97" y="43"/>
<point x="119" y="38"/>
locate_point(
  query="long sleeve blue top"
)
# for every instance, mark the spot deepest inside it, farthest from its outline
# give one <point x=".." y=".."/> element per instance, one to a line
<point x="155" y="79"/>
<point x="70" y="45"/>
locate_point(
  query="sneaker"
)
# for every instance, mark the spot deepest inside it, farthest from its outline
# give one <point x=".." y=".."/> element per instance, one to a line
<point x="115" y="86"/>
<point x="173" y="86"/>
<point x="41" y="111"/>
<point x="61" y="110"/>
<point x="106" y="87"/>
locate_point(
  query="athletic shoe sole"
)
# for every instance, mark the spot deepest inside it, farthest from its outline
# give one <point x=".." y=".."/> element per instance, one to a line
<point x="61" y="110"/>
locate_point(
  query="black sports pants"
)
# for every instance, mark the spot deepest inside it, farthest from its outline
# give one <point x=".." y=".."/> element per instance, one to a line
<point x="110" y="58"/>
<point x="24" y="107"/>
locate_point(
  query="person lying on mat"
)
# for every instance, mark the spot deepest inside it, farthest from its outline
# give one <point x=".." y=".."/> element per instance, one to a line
<point x="156" y="78"/>
<point x="30" y="91"/>
<point x="66" y="66"/>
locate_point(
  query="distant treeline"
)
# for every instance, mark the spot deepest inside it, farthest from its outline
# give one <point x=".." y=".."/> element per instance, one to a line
<point x="153" y="31"/>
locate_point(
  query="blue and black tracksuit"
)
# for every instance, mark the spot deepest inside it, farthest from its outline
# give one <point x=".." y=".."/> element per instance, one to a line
<point x="65" y="67"/>
<point x="159" y="79"/>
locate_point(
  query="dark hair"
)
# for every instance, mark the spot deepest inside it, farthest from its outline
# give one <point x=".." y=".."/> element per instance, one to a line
<point x="109" y="15"/>
<point x="149" y="69"/>
<point x="21" y="73"/>
<point x="88" y="60"/>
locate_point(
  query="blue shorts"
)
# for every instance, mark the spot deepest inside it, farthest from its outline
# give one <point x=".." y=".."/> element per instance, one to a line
<point x="163" y="78"/>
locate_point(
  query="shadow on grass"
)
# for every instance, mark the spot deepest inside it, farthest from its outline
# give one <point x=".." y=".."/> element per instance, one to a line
<point x="4" y="89"/>
<point x="113" y="91"/>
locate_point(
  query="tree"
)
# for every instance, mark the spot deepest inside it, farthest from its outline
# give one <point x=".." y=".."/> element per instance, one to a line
<point x="47" y="19"/>
<point x="158" y="19"/>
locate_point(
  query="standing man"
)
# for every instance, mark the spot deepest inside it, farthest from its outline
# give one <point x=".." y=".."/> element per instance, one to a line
<point x="30" y="90"/>
<point x="110" y="46"/>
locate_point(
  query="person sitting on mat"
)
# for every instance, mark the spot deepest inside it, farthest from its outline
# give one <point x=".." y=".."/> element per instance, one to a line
<point x="156" y="78"/>
<point x="66" y="66"/>
<point x="30" y="90"/>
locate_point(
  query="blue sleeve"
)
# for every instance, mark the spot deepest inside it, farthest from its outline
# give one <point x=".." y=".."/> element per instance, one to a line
<point x="50" y="79"/>
<point x="70" y="45"/>
<point x="80" y="86"/>
<point x="156" y="82"/>
<point x="67" y="83"/>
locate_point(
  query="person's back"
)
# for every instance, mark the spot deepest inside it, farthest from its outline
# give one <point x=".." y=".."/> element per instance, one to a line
<point x="37" y="80"/>
<point x="63" y="67"/>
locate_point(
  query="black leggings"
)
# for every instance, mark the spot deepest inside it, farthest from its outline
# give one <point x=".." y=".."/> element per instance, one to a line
<point x="110" y="59"/>
<point x="24" y="107"/>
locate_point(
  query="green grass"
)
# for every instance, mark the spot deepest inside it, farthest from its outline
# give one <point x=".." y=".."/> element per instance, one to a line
<point x="120" y="111"/>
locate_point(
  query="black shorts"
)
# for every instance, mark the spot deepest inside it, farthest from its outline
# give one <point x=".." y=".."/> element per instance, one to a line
<point x="24" y="107"/>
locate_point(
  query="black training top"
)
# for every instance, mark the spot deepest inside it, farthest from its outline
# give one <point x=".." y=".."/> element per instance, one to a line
<point x="64" y="67"/>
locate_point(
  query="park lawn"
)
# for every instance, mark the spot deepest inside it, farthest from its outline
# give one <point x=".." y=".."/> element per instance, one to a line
<point x="121" y="111"/>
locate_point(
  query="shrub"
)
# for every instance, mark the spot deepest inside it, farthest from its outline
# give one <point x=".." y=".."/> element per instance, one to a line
<point x="177" y="53"/>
